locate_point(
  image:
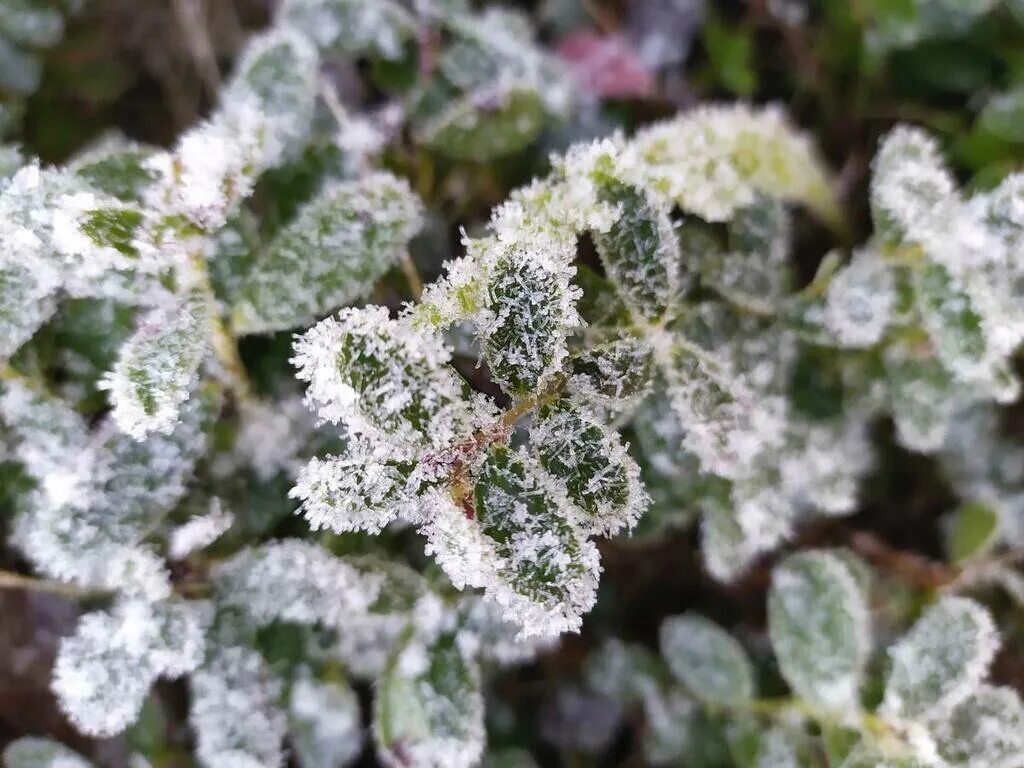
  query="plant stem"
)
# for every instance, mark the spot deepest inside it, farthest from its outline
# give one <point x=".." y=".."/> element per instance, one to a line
<point x="11" y="580"/>
<point x="412" y="276"/>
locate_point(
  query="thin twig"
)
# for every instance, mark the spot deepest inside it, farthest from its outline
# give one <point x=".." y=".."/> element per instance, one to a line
<point x="191" y="17"/>
<point x="10" y="580"/>
<point x="412" y="276"/>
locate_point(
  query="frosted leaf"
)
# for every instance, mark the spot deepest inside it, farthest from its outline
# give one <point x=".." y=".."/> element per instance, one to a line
<point x="428" y="709"/>
<point x="324" y="723"/>
<point x="613" y="374"/>
<point x="104" y="671"/>
<point x="159" y="365"/>
<point x="33" y="752"/>
<point x="11" y="160"/>
<point x="950" y="319"/>
<point x="706" y="659"/>
<point x="823" y="462"/>
<point x="712" y="161"/>
<point x="403" y="601"/>
<point x="277" y="77"/>
<point x="352" y="26"/>
<point x="295" y="581"/>
<point x="941" y="660"/>
<point x="600" y="478"/>
<point x="546" y="572"/>
<point x="626" y="673"/>
<point x="273" y="434"/>
<point x="235" y="712"/>
<point x="860" y="301"/>
<point x="923" y="399"/>
<point x="819" y="625"/>
<point x="117" y="167"/>
<point x="754" y="270"/>
<point x="910" y="185"/>
<point x="728" y="424"/>
<point x="265" y="109"/>
<point x="640" y="250"/>
<point x="493" y="91"/>
<point x="679" y="732"/>
<point x="363" y="489"/>
<point x="339" y="245"/>
<point x="383" y="377"/>
<point x="485" y="630"/>
<point x="91" y="532"/>
<point x="25" y="300"/>
<point x="986" y="730"/>
<point x="31" y="24"/>
<point x="51" y="440"/>
<point x="777" y="749"/>
<point x="530" y="308"/>
<point x="199" y="532"/>
<point x="728" y="549"/>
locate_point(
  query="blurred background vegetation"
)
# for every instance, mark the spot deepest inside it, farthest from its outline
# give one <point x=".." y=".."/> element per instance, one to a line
<point x="846" y="70"/>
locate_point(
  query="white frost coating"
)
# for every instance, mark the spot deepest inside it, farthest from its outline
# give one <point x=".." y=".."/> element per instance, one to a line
<point x="158" y="366"/>
<point x="911" y="188"/>
<point x="104" y="671"/>
<point x="266" y="108"/>
<point x="706" y="659"/>
<point x="272" y="434"/>
<point x="296" y="581"/>
<point x="457" y="543"/>
<point x="33" y="752"/>
<point x="941" y="660"/>
<point x="713" y="160"/>
<point x="986" y="730"/>
<point x="362" y="490"/>
<point x="383" y="378"/>
<point x="325" y="724"/>
<point x="234" y="711"/>
<point x="199" y="532"/>
<point x="819" y="624"/>
<point x="859" y="302"/>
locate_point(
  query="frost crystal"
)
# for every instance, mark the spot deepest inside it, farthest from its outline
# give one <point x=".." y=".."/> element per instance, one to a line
<point x="32" y="752"/>
<point x="199" y="532"/>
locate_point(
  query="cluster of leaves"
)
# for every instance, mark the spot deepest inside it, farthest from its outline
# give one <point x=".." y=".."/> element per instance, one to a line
<point x="643" y="356"/>
<point x="930" y="707"/>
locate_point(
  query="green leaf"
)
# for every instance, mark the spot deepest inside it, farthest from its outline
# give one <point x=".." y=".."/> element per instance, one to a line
<point x="973" y="531"/>
<point x="923" y="398"/>
<point x="819" y="625"/>
<point x="339" y="245"/>
<point x="524" y="338"/>
<point x="383" y="378"/>
<point x="324" y="723"/>
<point x="428" y="709"/>
<point x="986" y="730"/>
<point x="116" y="167"/>
<point x="614" y="373"/>
<point x="941" y="661"/>
<point x="158" y="366"/>
<point x="481" y="126"/>
<point x="546" y="570"/>
<point x="640" y="251"/>
<point x="730" y="52"/>
<point x="33" y="752"/>
<point x="706" y="659"/>
<point x="599" y="476"/>
<point x="950" y="318"/>
<point x="352" y="26"/>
